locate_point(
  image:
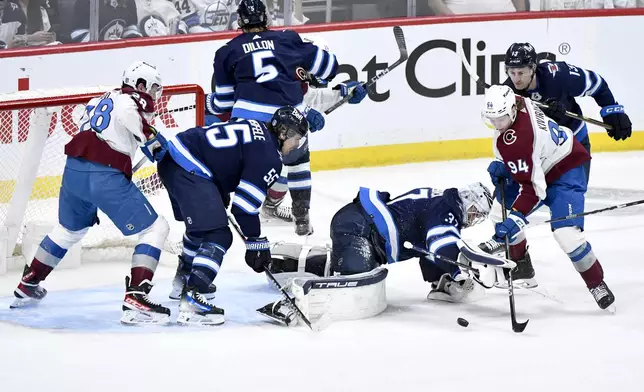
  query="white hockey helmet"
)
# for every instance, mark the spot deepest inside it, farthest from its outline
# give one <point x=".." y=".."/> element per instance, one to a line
<point x="499" y="102"/>
<point x="317" y="41"/>
<point x="142" y="72"/>
<point x="476" y="201"/>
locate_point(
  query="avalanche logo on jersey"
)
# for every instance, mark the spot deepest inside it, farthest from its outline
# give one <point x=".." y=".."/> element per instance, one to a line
<point x="509" y="137"/>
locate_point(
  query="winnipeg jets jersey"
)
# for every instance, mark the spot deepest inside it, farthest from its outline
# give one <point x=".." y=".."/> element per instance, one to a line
<point x="421" y="216"/>
<point x="239" y="156"/>
<point x="536" y="151"/>
<point x="564" y="82"/>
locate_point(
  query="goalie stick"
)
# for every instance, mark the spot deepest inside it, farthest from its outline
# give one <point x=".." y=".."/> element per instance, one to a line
<point x="485" y="85"/>
<point x="483" y="259"/>
<point x="321" y="323"/>
<point x="516" y="326"/>
<point x="402" y="46"/>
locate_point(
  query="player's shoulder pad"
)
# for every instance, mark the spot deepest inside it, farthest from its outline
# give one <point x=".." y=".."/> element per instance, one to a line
<point x="554" y="68"/>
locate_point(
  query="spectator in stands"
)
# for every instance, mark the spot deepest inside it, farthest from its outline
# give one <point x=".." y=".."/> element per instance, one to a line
<point x="37" y="23"/>
<point x="158" y="18"/>
<point x="450" y="7"/>
<point x="117" y="19"/>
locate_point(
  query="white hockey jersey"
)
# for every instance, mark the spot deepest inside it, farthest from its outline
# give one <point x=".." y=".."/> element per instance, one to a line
<point x="536" y="151"/>
<point x="112" y="128"/>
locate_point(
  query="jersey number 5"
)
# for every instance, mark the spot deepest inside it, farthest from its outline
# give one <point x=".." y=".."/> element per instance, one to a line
<point x="223" y="136"/>
<point x="263" y="72"/>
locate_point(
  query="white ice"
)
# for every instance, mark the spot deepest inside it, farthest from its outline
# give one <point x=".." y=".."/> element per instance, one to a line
<point x="73" y="341"/>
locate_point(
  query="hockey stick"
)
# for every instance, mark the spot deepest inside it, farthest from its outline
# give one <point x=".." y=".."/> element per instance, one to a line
<point x="579" y="215"/>
<point x="482" y="83"/>
<point x="321" y="323"/>
<point x="516" y="326"/>
<point x="402" y="46"/>
<point x="475" y="272"/>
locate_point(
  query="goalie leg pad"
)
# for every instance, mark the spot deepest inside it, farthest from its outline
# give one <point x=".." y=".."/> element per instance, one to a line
<point x="350" y="297"/>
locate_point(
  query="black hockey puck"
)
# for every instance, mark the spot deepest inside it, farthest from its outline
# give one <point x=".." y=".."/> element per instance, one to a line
<point x="462" y="322"/>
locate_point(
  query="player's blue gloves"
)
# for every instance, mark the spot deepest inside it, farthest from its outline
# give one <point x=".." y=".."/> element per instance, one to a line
<point x="615" y="116"/>
<point x="510" y="227"/>
<point x="258" y="253"/>
<point x="498" y="173"/>
<point x="156" y="147"/>
<point x="315" y="119"/>
<point x="357" y="91"/>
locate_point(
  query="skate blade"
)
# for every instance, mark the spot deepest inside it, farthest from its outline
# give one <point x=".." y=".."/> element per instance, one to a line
<point x="518" y="284"/>
<point x="176" y="295"/>
<point x="135" y="317"/>
<point x="279" y="320"/>
<point x="21" y="303"/>
<point x="195" y="319"/>
<point x="611" y="309"/>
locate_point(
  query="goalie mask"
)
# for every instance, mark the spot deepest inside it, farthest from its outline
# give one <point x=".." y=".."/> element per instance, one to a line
<point x="476" y="202"/>
<point x="142" y="72"/>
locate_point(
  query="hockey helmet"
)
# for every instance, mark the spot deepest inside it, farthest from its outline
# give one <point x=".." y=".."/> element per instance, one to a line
<point x="251" y="13"/>
<point x="476" y="202"/>
<point x="499" y="101"/>
<point x="290" y="122"/>
<point x="142" y="72"/>
<point x="521" y="55"/>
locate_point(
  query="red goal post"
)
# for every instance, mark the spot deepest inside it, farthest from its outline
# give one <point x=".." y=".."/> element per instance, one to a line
<point x="34" y="128"/>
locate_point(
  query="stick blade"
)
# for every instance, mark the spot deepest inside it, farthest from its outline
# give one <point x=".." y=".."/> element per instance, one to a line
<point x="519" y="327"/>
<point x="400" y="40"/>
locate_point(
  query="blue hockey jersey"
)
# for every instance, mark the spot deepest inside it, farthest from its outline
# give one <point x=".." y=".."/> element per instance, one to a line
<point x="254" y="73"/>
<point x="239" y="156"/>
<point x="564" y="82"/>
<point x="423" y="215"/>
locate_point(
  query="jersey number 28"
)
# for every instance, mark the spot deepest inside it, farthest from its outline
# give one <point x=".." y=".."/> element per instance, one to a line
<point x="100" y="116"/>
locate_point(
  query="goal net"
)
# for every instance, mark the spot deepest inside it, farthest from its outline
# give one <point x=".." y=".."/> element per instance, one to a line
<point x="35" y="126"/>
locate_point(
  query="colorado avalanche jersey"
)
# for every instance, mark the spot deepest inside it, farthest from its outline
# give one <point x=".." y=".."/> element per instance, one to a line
<point x="112" y="128"/>
<point x="564" y="82"/>
<point x="254" y="73"/>
<point x="536" y="151"/>
<point x="239" y="156"/>
<point x="424" y="215"/>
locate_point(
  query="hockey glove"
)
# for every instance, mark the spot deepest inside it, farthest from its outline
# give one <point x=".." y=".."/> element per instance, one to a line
<point x="258" y="253"/>
<point x="555" y="110"/>
<point x="498" y="173"/>
<point x="315" y="119"/>
<point x="511" y="227"/>
<point x="614" y="116"/>
<point x="356" y="90"/>
<point x="156" y="147"/>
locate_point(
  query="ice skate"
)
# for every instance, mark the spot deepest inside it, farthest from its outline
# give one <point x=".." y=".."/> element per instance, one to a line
<point x="139" y="309"/>
<point x="29" y="292"/>
<point x="302" y="222"/>
<point x="603" y="296"/>
<point x="276" y="212"/>
<point x="180" y="279"/>
<point x="194" y="309"/>
<point x="459" y="289"/>
<point x="280" y="311"/>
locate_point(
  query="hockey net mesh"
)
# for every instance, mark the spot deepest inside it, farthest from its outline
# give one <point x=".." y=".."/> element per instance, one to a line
<point x="23" y="115"/>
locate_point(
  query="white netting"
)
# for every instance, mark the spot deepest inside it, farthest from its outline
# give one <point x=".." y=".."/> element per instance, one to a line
<point x="31" y="167"/>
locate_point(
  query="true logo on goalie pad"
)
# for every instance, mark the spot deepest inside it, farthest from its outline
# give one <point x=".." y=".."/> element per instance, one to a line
<point x="331" y="285"/>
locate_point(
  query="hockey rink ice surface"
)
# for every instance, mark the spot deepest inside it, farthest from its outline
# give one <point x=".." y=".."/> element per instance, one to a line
<point x="74" y="342"/>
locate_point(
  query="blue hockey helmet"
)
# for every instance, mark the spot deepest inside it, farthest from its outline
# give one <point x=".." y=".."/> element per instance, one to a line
<point x="290" y="122"/>
<point x="251" y="13"/>
<point x="521" y="55"/>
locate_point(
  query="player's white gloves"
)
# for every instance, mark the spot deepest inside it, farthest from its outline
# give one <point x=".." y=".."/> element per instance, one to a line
<point x="156" y="147"/>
